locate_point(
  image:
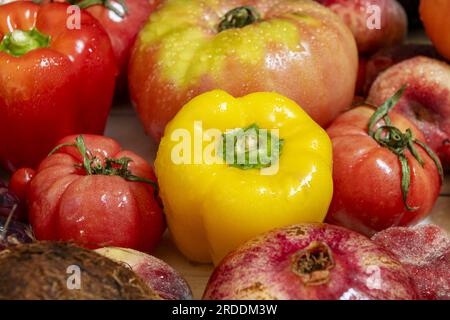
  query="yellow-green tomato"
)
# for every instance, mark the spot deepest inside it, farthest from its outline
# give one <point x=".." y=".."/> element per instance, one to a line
<point x="297" y="48"/>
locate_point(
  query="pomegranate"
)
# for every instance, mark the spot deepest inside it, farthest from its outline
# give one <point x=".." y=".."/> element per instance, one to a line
<point x="310" y="261"/>
<point x="424" y="251"/>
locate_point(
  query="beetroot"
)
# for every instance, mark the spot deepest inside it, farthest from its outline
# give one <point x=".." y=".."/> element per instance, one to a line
<point x="13" y="233"/>
<point x="310" y="261"/>
<point x="424" y="251"/>
<point x="8" y="201"/>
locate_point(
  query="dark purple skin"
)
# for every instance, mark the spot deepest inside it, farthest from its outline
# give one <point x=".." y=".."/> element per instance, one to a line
<point x="13" y="233"/>
<point x="285" y="264"/>
<point x="7" y="202"/>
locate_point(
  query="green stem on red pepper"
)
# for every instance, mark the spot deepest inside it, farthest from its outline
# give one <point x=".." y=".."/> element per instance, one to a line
<point x="19" y="42"/>
<point x="109" y="167"/>
<point x="398" y="142"/>
<point x="238" y="18"/>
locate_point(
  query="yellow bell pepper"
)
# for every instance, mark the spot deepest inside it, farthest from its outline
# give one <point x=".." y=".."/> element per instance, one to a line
<point x="224" y="179"/>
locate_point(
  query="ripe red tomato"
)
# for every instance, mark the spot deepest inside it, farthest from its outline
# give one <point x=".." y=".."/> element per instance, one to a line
<point x="54" y="81"/>
<point x="122" y="21"/>
<point x="363" y="16"/>
<point x="299" y="49"/>
<point x="95" y="194"/>
<point x="383" y="176"/>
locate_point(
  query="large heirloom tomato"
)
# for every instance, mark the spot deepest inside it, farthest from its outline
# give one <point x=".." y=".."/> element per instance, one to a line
<point x="94" y="193"/>
<point x="55" y="80"/>
<point x="299" y="49"/>
<point x="383" y="174"/>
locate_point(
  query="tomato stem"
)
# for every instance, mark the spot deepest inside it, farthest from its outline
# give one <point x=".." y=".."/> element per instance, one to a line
<point x="238" y="18"/>
<point x="109" y="167"/>
<point x="398" y="142"/>
<point x="107" y="4"/>
<point x="19" y="42"/>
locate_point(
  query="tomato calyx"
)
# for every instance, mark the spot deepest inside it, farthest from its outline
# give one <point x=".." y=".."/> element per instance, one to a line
<point x="313" y="264"/>
<point x="398" y="142"/>
<point x="19" y="42"/>
<point x="109" y="167"/>
<point x="238" y="18"/>
<point x="251" y="148"/>
<point x="119" y="7"/>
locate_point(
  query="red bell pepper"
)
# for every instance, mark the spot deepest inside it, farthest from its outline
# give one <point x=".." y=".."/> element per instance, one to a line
<point x="122" y="20"/>
<point x="54" y="80"/>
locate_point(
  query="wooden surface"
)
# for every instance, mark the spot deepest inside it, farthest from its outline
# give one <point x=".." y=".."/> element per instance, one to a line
<point x="124" y="126"/>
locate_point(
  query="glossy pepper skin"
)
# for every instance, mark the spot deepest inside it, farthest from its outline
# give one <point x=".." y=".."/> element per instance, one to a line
<point x="122" y="21"/>
<point x="297" y="48"/>
<point x="212" y="206"/>
<point x="66" y="202"/>
<point x="60" y="84"/>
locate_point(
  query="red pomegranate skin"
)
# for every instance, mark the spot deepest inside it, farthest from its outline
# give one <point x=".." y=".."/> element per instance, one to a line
<point x="267" y="267"/>
<point x="424" y="251"/>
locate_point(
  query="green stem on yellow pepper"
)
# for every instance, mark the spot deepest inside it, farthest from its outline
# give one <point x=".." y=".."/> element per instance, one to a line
<point x="251" y="148"/>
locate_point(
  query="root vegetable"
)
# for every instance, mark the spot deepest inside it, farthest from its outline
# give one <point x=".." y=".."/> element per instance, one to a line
<point x="48" y="270"/>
